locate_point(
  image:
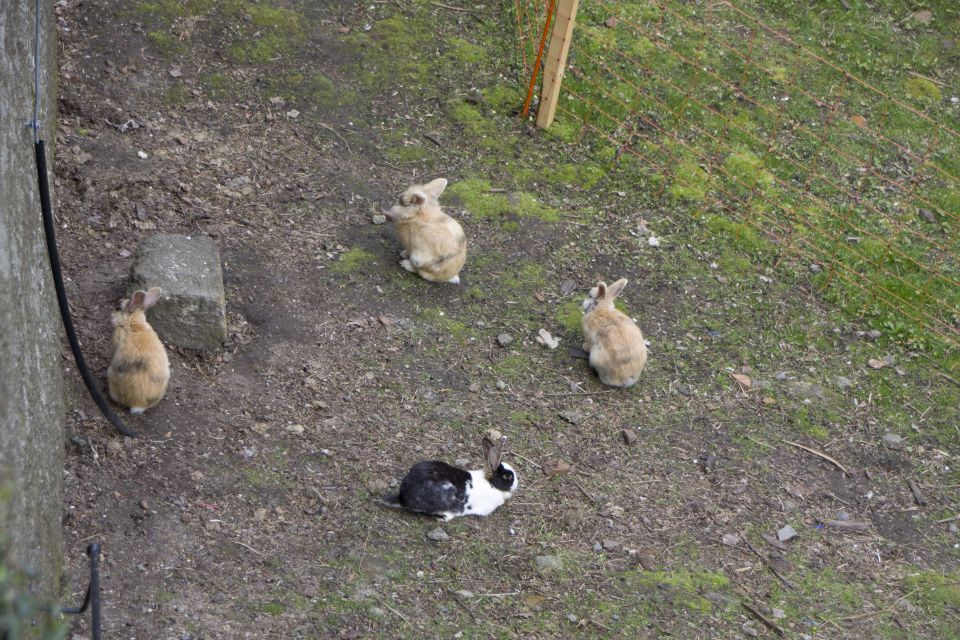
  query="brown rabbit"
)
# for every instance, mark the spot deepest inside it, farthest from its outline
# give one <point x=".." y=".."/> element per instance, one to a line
<point x="139" y="372"/>
<point x="616" y="346"/>
<point x="434" y="245"/>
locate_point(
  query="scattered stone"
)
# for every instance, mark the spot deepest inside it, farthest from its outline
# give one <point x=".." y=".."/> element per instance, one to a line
<point x="186" y="517"/>
<point x="629" y="436"/>
<point x="142" y="155"/>
<point x="684" y="389"/>
<point x="572" y="416"/>
<point x="730" y="539"/>
<point x="293" y="114"/>
<point x="843" y="382"/>
<point x="295" y="429"/>
<point x="568" y="287"/>
<point x="463" y="593"/>
<point x="556" y="467"/>
<point x="892" y="441"/>
<point x="873" y="334"/>
<point x="474" y="388"/>
<point x="505" y="339"/>
<point x="653" y="241"/>
<point x="905" y="605"/>
<point x="192" y="311"/>
<point x="494" y="435"/>
<point x="610" y="545"/>
<point x="546" y="564"/>
<point x="176" y="72"/>
<point x="876" y="364"/>
<point x="573" y="618"/>
<point x="773" y="542"/>
<point x="786" y="533"/>
<point x="144" y="504"/>
<point x="544" y="338"/>
<point x="78" y="441"/>
<point x="789" y="505"/>
<point x="778" y="614"/>
<point x="438" y="535"/>
<point x="114" y="447"/>
<point x="501" y="385"/>
<point x="781" y="376"/>
<point x="379" y="218"/>
<point x="597" y="547"/>
<point x="748" y="629"/>
<point x="953" y="528"/>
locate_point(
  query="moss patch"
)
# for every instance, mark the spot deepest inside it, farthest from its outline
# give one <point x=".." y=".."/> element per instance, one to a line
<point x="353" y="259"/>
<point x="476" y="196"/>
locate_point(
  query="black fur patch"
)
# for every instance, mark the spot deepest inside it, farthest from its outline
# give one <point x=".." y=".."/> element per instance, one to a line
<point x="435" y="487"/>
<point x="502" y="479"/>
<point x="124" y="367"/>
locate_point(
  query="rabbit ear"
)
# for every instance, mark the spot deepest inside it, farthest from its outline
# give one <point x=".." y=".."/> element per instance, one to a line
<point x="491" y="456"/>
<point x="616" y="288"/>
<point x="435" y="187"/>
<point x="601" y="290"/>
<point x="418" y="197"/>
<point x="136" y="300"/>
<point x="153" y="295"/>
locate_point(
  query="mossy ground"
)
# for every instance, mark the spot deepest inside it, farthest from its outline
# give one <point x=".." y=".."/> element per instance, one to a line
<point x="342" y="370"/>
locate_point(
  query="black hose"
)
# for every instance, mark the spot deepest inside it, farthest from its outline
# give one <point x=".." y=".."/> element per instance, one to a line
<point x="49" y="232"/>
<point x="92" y="598"/>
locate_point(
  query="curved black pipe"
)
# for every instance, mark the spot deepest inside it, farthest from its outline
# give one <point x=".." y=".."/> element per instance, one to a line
<point x="50" y="233"/>
<point x="92" y="598"/>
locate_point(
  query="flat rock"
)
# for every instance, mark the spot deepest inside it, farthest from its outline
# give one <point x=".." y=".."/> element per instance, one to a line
<point x="438" y="535"/>
<point x="786" y="533"/>
<point x="191" y="312"/>
<point x="892" y="441"/>
<point x="548" y="563"/>
<point x="505" y="339"/>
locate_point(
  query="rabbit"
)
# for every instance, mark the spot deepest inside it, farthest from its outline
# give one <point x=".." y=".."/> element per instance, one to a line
<point x="434" y="245"/>
<point x="139" y="372"/>
<point x="615" y="344"/>
<point x="435" y="488"/>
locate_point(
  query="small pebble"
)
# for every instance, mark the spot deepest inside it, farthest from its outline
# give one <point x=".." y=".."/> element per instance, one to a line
<point x="505" y="339"/>
<point x="730" y="539"/>
<point x="501" y="385"/>
<point x="144" y="504"/>
<point x="186" y="517"/>
<point x="815" y="268"/>
<point x="379" y="218"/>
<point x="629" y="436"/>
<point x="438" y="535"/>
<point x="892" y="441"/>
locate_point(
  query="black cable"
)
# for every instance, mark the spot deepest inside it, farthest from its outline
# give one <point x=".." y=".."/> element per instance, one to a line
<point x="49" y="232"/>
<point x="92" y="598"/>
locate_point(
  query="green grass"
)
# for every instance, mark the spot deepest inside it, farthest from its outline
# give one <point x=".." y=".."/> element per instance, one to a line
<point x="352" y="260"/>
<point x="786" y="155"/>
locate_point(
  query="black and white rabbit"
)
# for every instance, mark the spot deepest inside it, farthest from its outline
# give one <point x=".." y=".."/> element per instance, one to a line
<point x="439" y="489"/>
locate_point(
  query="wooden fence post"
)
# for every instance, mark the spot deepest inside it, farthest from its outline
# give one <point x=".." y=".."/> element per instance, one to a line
<point x="556" y="60"/>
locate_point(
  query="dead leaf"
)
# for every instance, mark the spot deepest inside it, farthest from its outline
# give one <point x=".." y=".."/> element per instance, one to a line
<point x="176" y="72"/>
<point x="556" y="467"/>
<point x="860" y="121"/>
<point x="743" y="380"/>
<point x="539" y="296"/>
<point x="876" y="364"/>
<point x="921" y="17"/>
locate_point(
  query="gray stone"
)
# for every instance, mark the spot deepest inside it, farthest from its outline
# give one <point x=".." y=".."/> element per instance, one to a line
<point x="31" y="383"/>
<point x="730" y="539"/>
<point x="873" y="334"/>
<point x="379" y="218"/>
<point x="548" y="563"/>
<point x="191" y="313"/>
<point x="438" y="535"/>
<point x="815" y="268"/>
<point x="505" y="339"/>
<point x="892" y="441"/>
<point x="843" y="382"/>
<point x="786" y="533"/>
<point x="629" y="435"/>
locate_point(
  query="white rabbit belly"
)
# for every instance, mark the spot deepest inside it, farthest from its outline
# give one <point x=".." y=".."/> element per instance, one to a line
<point x="482" y="498"/>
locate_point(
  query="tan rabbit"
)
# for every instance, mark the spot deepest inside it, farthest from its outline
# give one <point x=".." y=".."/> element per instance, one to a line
<point x="616" y="346"/>
<point x="139" y="372"/>
<point x="434" y="245"/>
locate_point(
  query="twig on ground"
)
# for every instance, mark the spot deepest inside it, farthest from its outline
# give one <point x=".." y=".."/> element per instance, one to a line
<point x="950" y="519"/>
<point x="770" y="566"/>
<point x="764" y="619"/>
<point x="848" y="525"/>
<point x="820" y="455"/>
<point x="585" y="492"/>
<point x="915" y="490"/>
<point x="446" y="6"/>
<point x="402" y="617"/>
<point x="336" y="133"/>
<point x="246" y="546"/>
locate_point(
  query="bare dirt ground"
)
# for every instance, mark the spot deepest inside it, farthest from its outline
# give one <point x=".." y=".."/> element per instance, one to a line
<point x="247" y="507"/>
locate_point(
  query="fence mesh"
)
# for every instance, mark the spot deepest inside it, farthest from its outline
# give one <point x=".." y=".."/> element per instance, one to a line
<point x="799" y="157"/>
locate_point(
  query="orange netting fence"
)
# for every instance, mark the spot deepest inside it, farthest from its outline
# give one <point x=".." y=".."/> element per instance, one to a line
<point x="792" y="153"/>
